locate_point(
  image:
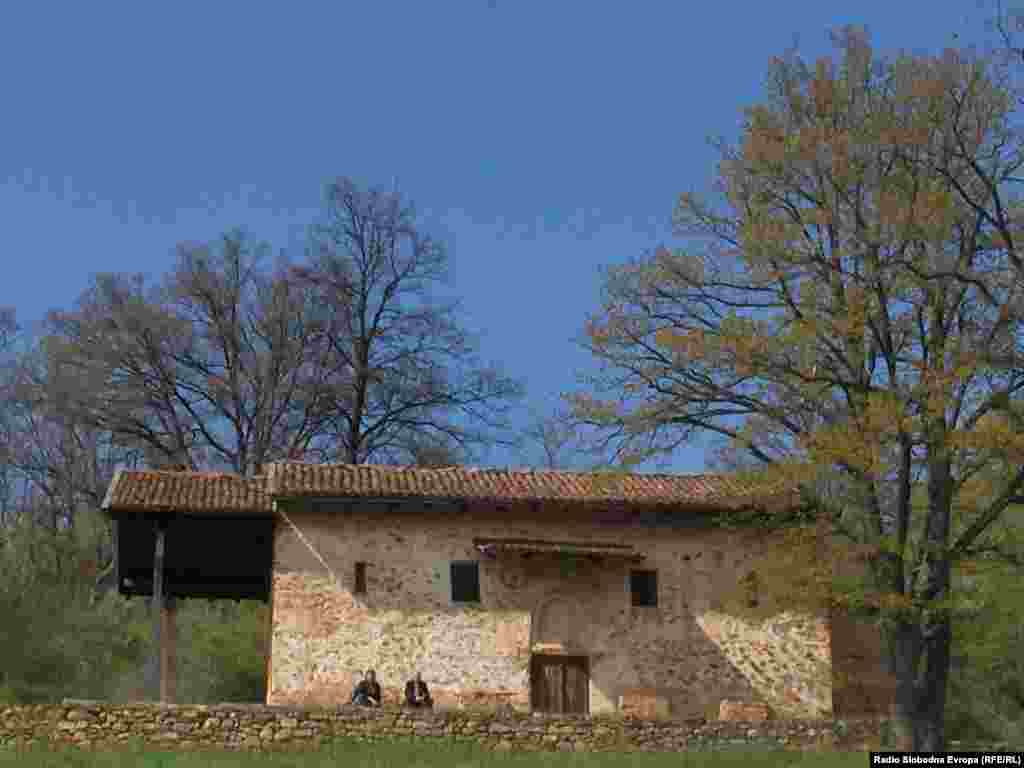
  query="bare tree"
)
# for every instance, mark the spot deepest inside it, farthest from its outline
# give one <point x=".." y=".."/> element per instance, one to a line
<point x="111" y="364"/>
<point x="8" y="332"/>
<point x="554" y="441"/>
<point x="423" y="453"/>
<point x="53" y="470"/>
<point x="259" y="350"/>
<point x="403" y="370"/>
<point x="215" y="366"/>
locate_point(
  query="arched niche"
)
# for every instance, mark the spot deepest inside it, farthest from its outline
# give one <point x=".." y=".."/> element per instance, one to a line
<point x="559" y="624"/>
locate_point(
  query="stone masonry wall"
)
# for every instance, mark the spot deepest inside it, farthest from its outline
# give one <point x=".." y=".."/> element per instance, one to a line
<point x="860" y="682"/>
<point x="250" y="727"/>
<point x="691" y="651"/>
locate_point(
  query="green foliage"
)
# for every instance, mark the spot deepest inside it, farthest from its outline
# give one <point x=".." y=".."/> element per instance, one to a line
<point x="221" y="651"/>
<point x="56" y="639"/>
<point x="987" y="681"/>
<point x="57" y="645"/>
<point x="60" y="639"/>
<point x="835" y="321"/>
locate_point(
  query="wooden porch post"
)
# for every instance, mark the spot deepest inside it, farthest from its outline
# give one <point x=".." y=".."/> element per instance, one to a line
<point x="168" y="650"/>
<point x="156" y="670"/>
<point x="268" y="671"/>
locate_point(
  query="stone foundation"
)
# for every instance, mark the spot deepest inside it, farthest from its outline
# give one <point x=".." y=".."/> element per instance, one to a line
<point x="256" y="727"/>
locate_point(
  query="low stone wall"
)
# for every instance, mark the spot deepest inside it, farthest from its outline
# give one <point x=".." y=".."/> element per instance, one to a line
<point x="256" y="727"/>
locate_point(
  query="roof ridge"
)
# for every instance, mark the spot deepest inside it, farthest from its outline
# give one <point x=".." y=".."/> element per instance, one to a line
<point x="262" y="477"/>
<point x="587" y="472"/>
<point x="505" y="469"/>
<point x="271" y="471"/>
<point x="206" y="490"/>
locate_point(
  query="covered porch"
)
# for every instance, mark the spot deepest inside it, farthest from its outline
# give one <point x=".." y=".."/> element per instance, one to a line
<point x="187" y="535"/>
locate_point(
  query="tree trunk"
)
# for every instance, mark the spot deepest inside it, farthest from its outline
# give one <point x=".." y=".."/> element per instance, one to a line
<point x="919" y="665"/>
<point x="930" y="735"/>
<point x="936" y="632"/>
<point x="904" y="652"/>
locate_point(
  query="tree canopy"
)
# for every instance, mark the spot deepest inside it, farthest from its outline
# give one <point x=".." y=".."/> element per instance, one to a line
<point x="846" y="316"/>
<point x="223" y="362"/>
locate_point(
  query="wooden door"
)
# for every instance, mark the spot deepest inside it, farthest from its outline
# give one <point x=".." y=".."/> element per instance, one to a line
<point x="559" y="685"/>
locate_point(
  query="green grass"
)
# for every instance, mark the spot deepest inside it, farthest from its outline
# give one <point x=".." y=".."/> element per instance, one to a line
<point x="411" y="755"/>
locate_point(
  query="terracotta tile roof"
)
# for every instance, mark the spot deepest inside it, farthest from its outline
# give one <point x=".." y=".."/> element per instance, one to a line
<point x="186" y="492"/>
<point x="292" y="479"/>
<point x="559" y="547"/>
<point x="212" y="493"/>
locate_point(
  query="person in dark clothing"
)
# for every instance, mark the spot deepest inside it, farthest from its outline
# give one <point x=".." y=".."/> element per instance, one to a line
<point x="416" y="693"/>
<point x="358" y="695"/>
<point x="367" y="693"/>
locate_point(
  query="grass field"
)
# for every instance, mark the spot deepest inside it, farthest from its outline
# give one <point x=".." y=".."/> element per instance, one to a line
<point x="397" y="755"/>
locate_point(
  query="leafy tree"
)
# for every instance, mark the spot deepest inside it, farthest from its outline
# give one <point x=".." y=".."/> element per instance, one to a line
<point x="221" y="651"/>
<point x="845" y="318"/>
<point x="57" y="639"/>
<point x="987" y="679"/>
<point x="991" y="642"/>
<point x="407" y="372"/>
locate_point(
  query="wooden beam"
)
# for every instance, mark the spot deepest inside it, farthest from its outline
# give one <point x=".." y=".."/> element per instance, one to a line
<point x="269" y="648"/>
<point x="157" y="607"/>
<point x="169" y="651"/>
<point x="115" y="525"/>
<point x="206" y="590"/>
<point x="269" y="572"/>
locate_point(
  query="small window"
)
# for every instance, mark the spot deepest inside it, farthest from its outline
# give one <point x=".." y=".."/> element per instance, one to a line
<point x="643" y="586"/>
<point x="360" y="588"/>
<point x="752" y="589"/>
<point x="465" y="582"/>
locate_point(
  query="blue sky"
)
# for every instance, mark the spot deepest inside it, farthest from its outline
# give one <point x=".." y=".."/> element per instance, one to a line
<point x="540" y="140"/>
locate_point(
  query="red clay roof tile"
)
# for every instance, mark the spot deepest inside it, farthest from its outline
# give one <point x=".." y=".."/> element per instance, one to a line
<point x="187" y="493"/>
<point x="291" y="479"/>
<point x="210" y="493"/>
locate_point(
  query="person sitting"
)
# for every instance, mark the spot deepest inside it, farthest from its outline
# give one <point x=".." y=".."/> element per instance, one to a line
<point x="367" y="693"/>
<point x="358" y="693"/>
<point x="416" y="693"/>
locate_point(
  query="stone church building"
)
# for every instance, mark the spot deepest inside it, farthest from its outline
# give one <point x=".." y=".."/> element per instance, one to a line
<point x="548" y="591"/>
